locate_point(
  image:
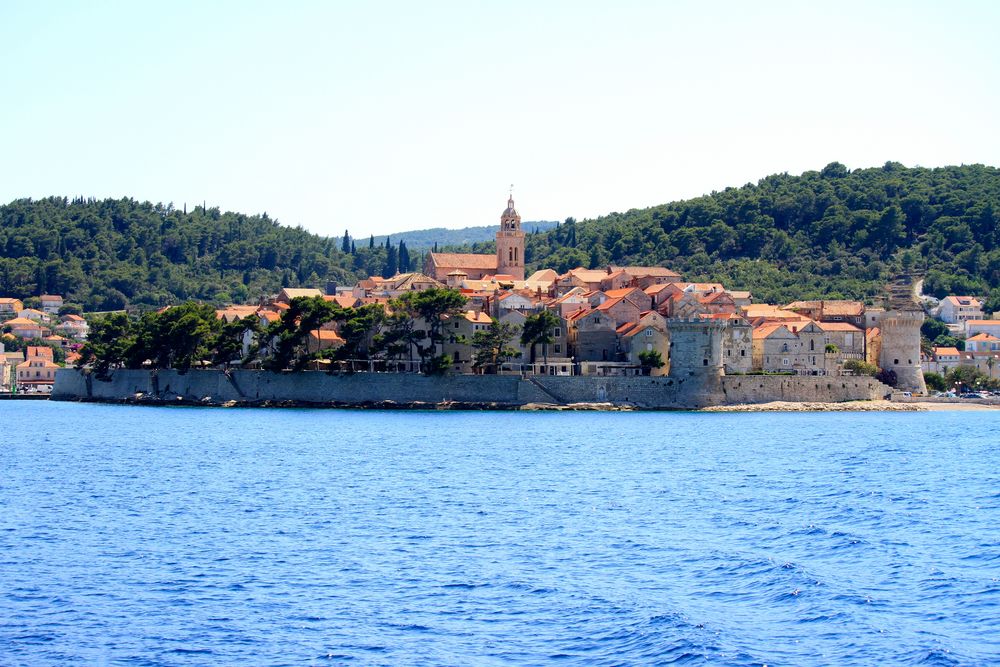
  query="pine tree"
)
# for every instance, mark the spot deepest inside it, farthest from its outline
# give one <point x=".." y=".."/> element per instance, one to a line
<point x="345" y="246"/>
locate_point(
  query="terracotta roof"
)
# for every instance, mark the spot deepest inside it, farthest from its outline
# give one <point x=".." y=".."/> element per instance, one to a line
<point x="295" y="292"/>
<point x="988" y="323"/>
<point x="984" y="337"/>
<point x="464" y="260"/>
<point x="325" y="335"/>
<point x="964" y="301"/>
<point x="765" y="330"/>
<point x="343" y="301"/>
<point x="587" y="275"/>
<point x="655" y="289"/>
<point x="8" y="299"/>
<point x="269" y="315"/>
<point x="643" y="271"/>
<point x="943" y="351"/>
<point x="72" y="318"/>
<point x="707" y="287"/>
<point x="21" y="321"/>
<point x="478" y="317"/>
<point x="624" y="291"/>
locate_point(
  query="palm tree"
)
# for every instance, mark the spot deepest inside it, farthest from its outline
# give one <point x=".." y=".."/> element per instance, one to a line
<point x="538" y="330"/>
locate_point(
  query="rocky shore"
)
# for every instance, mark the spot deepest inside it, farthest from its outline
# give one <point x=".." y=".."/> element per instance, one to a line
<point x="848" y="406"/>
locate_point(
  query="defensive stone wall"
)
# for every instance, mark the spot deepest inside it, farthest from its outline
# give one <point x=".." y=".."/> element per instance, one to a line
<point x="320" y="388"/>
<point x="738" y="389"/>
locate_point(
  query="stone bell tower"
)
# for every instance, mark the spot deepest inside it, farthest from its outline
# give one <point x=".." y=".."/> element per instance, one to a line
<point x="510" y="243"/>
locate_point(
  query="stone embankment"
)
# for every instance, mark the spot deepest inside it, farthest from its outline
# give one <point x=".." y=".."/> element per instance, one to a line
<point x="470" y="392"/>
<point x="812" y="406"/>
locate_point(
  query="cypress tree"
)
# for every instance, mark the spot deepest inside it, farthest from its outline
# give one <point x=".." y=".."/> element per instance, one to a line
<point x="391" y="263"/>
<point x="354" y="250"/>
<point x="371" y="242"/>
<point x="345" y="246"/>
<point x="404" y="258"/>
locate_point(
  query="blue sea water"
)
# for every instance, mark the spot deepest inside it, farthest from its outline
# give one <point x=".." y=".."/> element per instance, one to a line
<point x="190" y="536"/>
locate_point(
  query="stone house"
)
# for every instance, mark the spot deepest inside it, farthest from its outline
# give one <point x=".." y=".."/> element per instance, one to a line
<point x="647" y="335"/>
<point x="783" y="347"/>
<point x="593" y="336"/>
<point x="622" y="310"/>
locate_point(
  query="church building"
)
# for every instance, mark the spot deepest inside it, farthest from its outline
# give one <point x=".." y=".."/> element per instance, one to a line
<point x="508" y="260"/>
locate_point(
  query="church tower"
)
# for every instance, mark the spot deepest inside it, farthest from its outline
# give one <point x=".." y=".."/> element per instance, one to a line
<point x="510" y="243"/>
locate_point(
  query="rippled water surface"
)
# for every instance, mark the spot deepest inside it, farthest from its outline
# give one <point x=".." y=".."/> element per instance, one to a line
<point x="187" y="536"/>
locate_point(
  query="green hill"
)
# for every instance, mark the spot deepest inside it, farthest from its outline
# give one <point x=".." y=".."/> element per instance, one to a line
<point x="110" y="254"/>
<point x="829" y="233"/>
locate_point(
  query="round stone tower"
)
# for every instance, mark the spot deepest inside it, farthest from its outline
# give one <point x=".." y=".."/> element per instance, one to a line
<point x="900" y="329"/>
<point x="901" y="348"/>
<point x="696" y="359"/>
<point x="510" y="243"/>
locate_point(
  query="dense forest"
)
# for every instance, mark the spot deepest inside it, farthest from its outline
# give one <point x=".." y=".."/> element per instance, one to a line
<point x="110" y="254"/>
<point x="830" y="233"/>
<point x="825" y="234"/>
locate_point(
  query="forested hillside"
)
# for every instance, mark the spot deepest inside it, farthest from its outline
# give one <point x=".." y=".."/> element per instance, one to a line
<point x="830" y="233"/>
<point x="109" y="254"/>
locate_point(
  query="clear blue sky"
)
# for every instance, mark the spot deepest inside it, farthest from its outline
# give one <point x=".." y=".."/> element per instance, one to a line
<point x="379" y="117"/>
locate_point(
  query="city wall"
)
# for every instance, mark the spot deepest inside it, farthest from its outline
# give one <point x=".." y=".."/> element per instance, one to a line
<point x="215" y="387"/>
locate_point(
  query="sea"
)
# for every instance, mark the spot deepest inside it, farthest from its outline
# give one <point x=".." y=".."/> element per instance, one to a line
<point x="210" y="536"/>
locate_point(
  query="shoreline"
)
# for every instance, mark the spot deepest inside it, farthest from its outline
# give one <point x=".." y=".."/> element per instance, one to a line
<point x="772" y="406"/>
<point x="850" y="406"/>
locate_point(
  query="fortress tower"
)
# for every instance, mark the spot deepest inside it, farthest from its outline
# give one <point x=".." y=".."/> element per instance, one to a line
<point x="900" y="327"/>
<point x="510" y="243"/>
<point x="696" y="358"/>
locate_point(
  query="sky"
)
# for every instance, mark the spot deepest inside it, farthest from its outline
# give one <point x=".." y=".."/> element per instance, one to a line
<point x="378" y="117"/>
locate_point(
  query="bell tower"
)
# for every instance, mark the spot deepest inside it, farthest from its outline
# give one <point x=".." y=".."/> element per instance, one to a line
<point x="510" y="243"/>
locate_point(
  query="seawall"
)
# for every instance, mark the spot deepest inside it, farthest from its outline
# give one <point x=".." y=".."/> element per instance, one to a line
<point x="247" y="387"/>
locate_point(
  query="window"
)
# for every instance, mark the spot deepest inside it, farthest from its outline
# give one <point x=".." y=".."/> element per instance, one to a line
<point x="558" y="349"/>
<point x="895" y="362"/>
<point x="649" y="333"/>
<point x="704" y="362"/>
<point x="785" y="362"/>
<point x="556" y="333"/>
<point x="812" y="344"/>
<point x="743" y="353"/>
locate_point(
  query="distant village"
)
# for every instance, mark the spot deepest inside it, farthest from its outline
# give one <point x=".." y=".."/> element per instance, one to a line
<point x="610" y="321"/>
